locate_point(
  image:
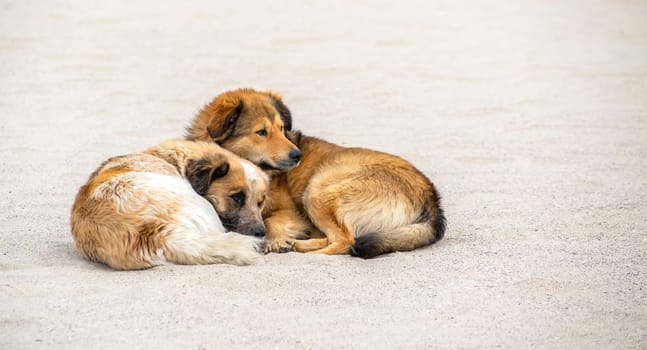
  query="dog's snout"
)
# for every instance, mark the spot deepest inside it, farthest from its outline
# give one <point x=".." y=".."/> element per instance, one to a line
<point x="295" y="155"/>
<point x="259" y="231"/>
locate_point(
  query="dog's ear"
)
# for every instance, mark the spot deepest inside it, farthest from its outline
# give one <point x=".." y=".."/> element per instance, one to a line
<point x="202" y="172"/>
<point x="283" y="110"/>
<point x="223" y="120"/>
<point x="217" y="120"/>
<point x="294" y="137"/>
<point x="220" y="170"/>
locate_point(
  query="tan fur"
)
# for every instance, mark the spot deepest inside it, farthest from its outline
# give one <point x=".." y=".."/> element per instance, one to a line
<point x="139" y="210"/>
<point x="344" y="199"/>
<point x="365" y="202"/>
<point x="234" y="120"/>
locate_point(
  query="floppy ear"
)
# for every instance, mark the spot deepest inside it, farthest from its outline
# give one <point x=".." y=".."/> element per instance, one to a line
<point x="201" y="173"/>
<point x="223" y="114"/>
<point x="283" y="110"/>
<point x="294" y="137"/>
<point x="220" y="170"/>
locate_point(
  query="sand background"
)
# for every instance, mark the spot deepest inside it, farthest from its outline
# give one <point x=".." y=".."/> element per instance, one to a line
<point x="529" y="116"/>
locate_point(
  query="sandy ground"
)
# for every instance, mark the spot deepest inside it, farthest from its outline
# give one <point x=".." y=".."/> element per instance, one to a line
<point x="530" y="117"/>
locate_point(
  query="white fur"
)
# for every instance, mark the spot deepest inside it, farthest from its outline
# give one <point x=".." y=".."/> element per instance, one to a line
<point x="252" y="173"/>
<point x="198" y="232"/>
<point x="377" y="218"/>
<point x="194" y="233"/>
<point x="195" y="211"/>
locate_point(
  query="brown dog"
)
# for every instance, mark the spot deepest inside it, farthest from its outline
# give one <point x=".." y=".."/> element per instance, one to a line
<point x="365" y="202"/>
<point x="360" y="201"/>
<point x="251" y="124"/>
<point x="139" y="210"/>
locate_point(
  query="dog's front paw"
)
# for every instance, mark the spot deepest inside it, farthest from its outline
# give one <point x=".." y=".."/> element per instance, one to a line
<point x="278" y="246"/>
<point x="260" y="246"/>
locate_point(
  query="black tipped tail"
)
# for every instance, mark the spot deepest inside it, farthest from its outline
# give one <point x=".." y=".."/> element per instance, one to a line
<point x="439" y="224"/>
<point x="400" y="239"/>
<point x="429" y="228"/>
<point x="366" y="247"/>
<point x="435" y="215"/>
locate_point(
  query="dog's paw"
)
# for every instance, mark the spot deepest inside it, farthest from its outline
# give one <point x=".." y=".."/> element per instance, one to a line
<point x="260" y="246"/>
<point x="286" y="247"/>
<point x="278" y="246"/>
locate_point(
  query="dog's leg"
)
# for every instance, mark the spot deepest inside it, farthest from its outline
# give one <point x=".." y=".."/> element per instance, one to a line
<point x="315" y="233"/>
<point x="339" y="238"/>
<point x="321" y="203"/>
<point x="308" y="245"/>
<point x="281" y="228"/>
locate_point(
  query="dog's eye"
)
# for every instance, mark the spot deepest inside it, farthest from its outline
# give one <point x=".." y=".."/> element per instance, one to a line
<point x="262" y="132"/>
<point x="238" y="198"/>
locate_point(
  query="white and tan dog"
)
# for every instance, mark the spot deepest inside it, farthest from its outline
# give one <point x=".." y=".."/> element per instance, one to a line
<point x="140" y="210"/>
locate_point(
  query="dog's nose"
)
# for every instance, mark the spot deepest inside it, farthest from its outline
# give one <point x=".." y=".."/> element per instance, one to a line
<point x="259" y="231"/>
<point x="295" y="155"/>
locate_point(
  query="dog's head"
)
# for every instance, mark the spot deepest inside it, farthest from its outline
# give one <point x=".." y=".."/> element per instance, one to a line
<point x="235" y="187"/>
<point x="251" y="124"/>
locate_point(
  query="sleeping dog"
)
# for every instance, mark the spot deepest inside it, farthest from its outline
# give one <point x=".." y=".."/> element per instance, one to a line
<point x="174" y="202"/>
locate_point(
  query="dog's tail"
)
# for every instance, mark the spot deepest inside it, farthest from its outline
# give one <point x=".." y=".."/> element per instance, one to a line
<point x="180" y="248"/>
<point x="228" y="248"/>
<point x="429" y="228"/>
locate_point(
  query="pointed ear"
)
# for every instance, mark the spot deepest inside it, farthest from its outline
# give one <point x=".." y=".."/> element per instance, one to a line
<point x="202" y="172"/>
<point x="283" y="110"/>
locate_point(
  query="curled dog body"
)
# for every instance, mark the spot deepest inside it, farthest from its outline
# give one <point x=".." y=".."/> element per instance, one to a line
<point x="165" y="204"/>
<point x="329" y="199"/>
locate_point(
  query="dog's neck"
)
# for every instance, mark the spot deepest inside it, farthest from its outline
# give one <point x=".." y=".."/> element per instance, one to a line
<point x="314" y="150"/>
<point x="311" y="145"/>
